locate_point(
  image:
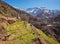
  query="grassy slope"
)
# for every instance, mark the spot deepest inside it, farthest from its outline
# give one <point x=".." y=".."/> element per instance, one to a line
<point x="51" y="40"/>
<point x="22" y="35"/>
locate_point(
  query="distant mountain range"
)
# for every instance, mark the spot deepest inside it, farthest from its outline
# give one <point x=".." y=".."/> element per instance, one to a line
<point x="39" y="11"/>
<point x="43" y="13"/>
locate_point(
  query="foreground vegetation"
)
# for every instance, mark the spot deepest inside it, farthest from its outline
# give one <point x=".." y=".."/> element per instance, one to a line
<point x="49" y="39"/>
<point x="21" y="33"/>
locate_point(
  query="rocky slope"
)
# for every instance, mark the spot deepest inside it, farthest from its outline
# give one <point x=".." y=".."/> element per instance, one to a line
<point x="22" y="32"/>
<point x="9" y="15"/>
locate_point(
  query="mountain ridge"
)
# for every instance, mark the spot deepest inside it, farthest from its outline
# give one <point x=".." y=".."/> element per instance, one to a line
<point x="41" y="9"/>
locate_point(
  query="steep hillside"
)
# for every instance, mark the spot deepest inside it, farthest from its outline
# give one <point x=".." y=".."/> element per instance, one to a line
<point x="9" y="15"/>
<point x="22" y="32"/>
<point x="15" y="31"/>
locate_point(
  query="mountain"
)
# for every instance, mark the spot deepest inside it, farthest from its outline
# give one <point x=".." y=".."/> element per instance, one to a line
<point x="42" y="12"/>
<point x="39" y="11"/>
<point x="19" y="27"/>
<point x="47" y="20"/>
<point x="57" y="18"/>
<point x="34" y="11"/>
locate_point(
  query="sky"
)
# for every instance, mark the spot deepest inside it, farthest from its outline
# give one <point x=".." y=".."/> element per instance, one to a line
<point x="50" y="4"/>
